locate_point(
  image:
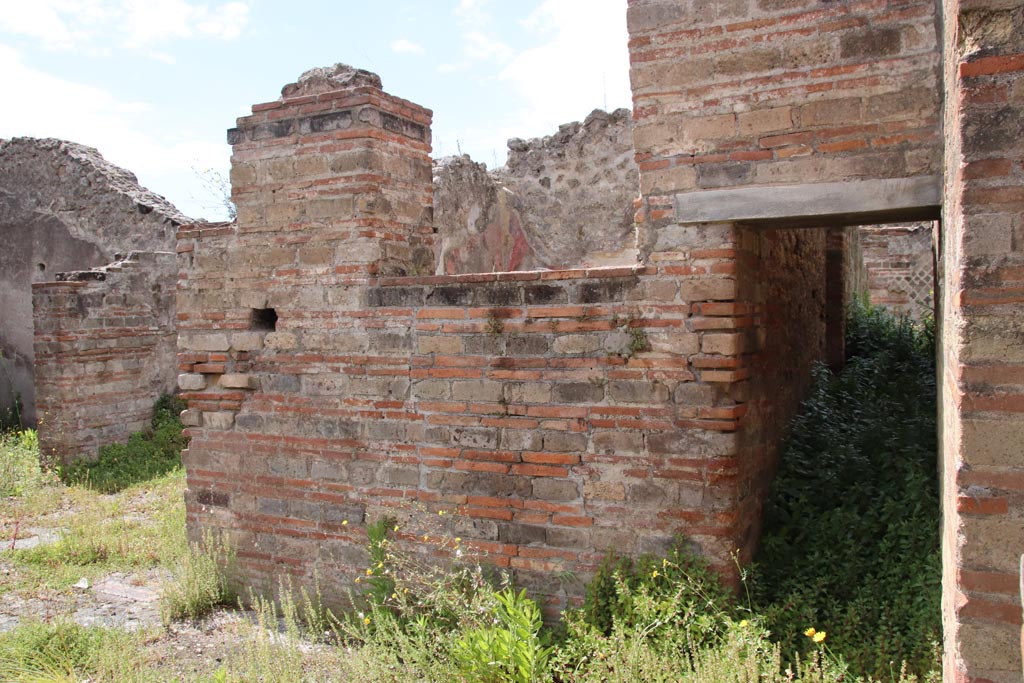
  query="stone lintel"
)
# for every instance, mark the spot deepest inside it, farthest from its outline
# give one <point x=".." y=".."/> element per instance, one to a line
<point x="818" y="204"/>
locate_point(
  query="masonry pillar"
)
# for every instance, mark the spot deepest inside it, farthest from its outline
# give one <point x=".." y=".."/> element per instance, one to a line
<point x="982" y="357"/>
<point x="333" y="185"/>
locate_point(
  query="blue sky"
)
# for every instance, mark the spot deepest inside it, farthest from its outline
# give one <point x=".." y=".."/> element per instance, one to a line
<point x="154" y="84"/>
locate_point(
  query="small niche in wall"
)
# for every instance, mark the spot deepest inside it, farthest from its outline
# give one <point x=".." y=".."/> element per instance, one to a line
<point x="41" y="267"/>
<point x="263" y="319"/>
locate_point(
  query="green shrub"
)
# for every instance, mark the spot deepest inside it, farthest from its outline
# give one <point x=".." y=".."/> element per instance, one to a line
<point x="511" y="649"/>
<point x="682" y="576"/>
<point x="851" y="534"/>
<point x="147" y="455"/>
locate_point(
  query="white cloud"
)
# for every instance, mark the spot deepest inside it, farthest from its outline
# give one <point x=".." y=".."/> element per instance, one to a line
<point x="118" y="129"/>
<point x="92" y="25"/>
<point x="479" y="41"/>
<point x="406" y="46"/>
<point x="583" y="63"/>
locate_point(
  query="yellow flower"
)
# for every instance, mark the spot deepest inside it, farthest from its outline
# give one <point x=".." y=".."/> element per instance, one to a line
<point x="654" y="574"/>
<point x="458" y="540"/>
<point x="396" y="527"/>
<point x="344" y="522"/>
<point x="424" y="537"/>
<point x="810" y="632"/>
<point x="818" y="637"/>
<point x="369" y="571"/>
<point x="743" y="624"/>
<point x="440" y="513"/>
<point x="366" y="621"/>
<point x="357" y="579"/>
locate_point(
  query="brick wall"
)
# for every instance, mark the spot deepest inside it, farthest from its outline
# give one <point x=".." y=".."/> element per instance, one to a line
<point x="982" y="379"/>
<point x="105" y="346"/>
<point x="63" y="207"/>
<point x="899" y="267"/>
<point x="556" y="414"/>
<point x="753" y="92"/>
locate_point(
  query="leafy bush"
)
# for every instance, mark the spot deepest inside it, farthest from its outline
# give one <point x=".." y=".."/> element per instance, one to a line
<point x="147" y="454"/>
<point x="682" y="576"/>
<point x="851" y="535"/>
<point x="511" y="649"/>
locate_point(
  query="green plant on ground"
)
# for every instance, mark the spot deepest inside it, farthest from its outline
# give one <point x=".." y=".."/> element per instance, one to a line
<point x="139" y="528"/>
<point x="681" y="577"/>
<point x="19" y="464"/>
<point x="512" y="649"/>
<point x="147" y="454"/>
<point x="851" y="536"/>
<point x="199" y="580"/>
<point x="65" y="652"/>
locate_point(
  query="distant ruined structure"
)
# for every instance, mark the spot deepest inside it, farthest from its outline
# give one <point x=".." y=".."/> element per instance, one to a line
<point x="376" y="336"/>
<point x="64" y="208"/>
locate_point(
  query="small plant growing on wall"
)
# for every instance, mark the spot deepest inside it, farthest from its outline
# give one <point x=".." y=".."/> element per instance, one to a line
<point x="638" y="341"/>
<point x="494" y="325"/>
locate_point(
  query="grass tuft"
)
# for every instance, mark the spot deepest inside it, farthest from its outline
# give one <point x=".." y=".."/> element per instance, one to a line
<point x="199" y="580"/>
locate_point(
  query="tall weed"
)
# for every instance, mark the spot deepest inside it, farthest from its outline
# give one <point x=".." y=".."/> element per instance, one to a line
<point x="199" y="580"/>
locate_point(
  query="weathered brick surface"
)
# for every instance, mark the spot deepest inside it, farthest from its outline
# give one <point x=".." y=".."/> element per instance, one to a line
<point x="983" y="384"/>
<point x="756" y="93"/>
<point x="105" y="347"/>
<point x="561" y="201"/>
<point x="899" y="268"/>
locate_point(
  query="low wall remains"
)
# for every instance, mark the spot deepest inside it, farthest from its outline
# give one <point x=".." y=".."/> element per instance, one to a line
<point x="105" y="347"/>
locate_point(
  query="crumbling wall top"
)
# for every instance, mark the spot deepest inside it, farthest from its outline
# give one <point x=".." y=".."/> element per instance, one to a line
<point x="330" y="78"/>
<point x="100" y="173"/>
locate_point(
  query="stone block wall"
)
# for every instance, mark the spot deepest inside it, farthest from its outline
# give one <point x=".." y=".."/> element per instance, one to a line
<point x="561" y="201"/>
<point x="982" y="355"/>
<point x="105" y="348"/>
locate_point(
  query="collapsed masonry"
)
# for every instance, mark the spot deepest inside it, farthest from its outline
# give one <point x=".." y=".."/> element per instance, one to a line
<point x="64" y="208"/>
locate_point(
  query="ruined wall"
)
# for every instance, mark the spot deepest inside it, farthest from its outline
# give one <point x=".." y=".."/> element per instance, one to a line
<point x="556" y="414"/>
<point x="62" y="208"/>
<point x="565" y="200"/>
<point x="899" y="266"/>
<point x="105" y="350"/>
<point x="982" y="354"/>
